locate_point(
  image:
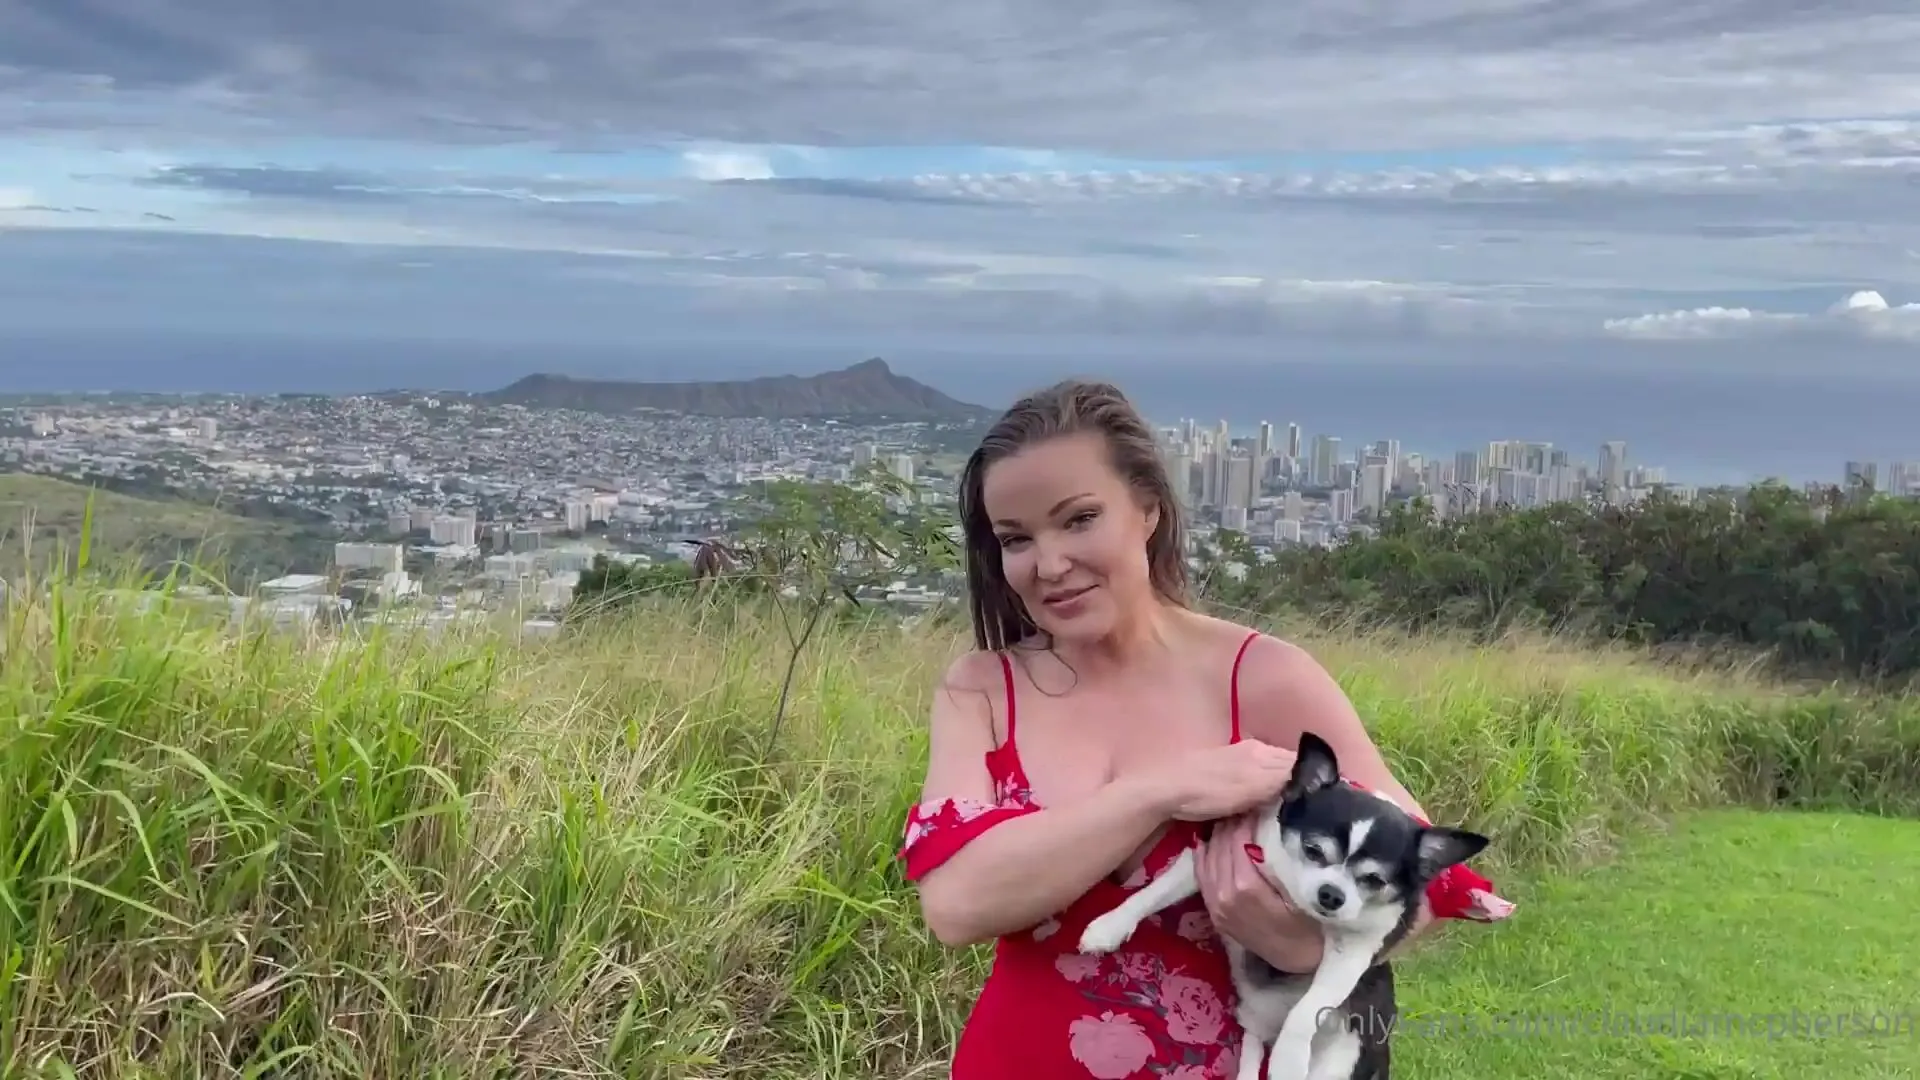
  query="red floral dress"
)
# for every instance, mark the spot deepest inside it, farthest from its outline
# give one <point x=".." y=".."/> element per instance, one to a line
<point x="1159" y="1006"/>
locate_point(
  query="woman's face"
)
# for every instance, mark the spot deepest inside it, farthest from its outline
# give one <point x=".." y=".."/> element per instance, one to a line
<point x="1073" y="535"/>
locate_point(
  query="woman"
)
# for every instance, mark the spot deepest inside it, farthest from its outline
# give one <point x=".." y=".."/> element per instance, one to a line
<point x="1077" y="750"/>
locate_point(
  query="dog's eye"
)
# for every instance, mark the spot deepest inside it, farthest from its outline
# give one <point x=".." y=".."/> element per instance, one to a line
<point x="1371" y="882"/>
<point x="1315" y="852"/>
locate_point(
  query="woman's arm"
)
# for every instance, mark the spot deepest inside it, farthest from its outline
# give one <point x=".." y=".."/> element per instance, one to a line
<point x="1018" y="871"/>
<point x="1284" y="691"/>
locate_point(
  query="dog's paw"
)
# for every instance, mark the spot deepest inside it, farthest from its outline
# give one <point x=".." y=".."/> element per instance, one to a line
<point x="1106" y="933"/>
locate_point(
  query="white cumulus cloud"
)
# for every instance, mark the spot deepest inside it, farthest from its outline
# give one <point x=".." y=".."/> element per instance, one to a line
<point x="1864" y="314"/>
<point x="717" y="164"/>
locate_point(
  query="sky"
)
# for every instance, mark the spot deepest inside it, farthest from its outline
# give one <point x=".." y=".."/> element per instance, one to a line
<point x="1723" y="186"/>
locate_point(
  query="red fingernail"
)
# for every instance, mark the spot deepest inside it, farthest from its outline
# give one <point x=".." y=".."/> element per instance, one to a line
<point x="1254" y="853"/>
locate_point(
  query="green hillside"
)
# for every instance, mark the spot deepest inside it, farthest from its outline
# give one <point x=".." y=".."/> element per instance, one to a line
<point x="462" y="855"/>
<point x="42" y="517"/>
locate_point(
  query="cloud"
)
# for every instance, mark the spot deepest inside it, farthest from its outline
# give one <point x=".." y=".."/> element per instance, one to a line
<point x="269" y="182"/>
<point x="727" y="165"/>
<point x="1143" y="77"/>
<point x="1468" y="170"/>
<point x="94" y="277"/>
<point x="1756" y="226"/>
<point x="1863" y="315"/>
<point x="1552" y="192"/>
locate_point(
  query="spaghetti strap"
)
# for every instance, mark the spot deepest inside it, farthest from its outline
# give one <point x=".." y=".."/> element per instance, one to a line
<point x="1234" y="690"/>
<point x="1006" y="669"/>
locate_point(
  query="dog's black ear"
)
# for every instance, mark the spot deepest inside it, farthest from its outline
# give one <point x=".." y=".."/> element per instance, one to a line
<point x="1314" y="767"/>
<point x="1440" y="847"/>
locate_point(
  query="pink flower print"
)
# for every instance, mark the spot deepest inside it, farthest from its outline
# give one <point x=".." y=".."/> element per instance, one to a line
<point x="1194" y="1013"/>
<point x="917" y="827"/>
<point x="1138" y="966"/>
<point x="965" y="810"/>
<point x="1077" y="967"/>
<point x="1196" y="926"/>
<point x="1189" y="1072"/>
<point x="943" y="813"/>
<point x="1487" y="907"/>
<point x="1110" y="1047"/>
<point x="1008" y="793"/>
<point x="1046" y="929"/>
<point x="1227" y="1064"/>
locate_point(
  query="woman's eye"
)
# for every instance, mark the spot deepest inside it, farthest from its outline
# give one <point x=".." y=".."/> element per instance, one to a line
<point x="1084" y="517"/>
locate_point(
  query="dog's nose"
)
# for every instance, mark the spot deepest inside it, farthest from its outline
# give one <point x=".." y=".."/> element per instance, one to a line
<point x="1330" y="898"/>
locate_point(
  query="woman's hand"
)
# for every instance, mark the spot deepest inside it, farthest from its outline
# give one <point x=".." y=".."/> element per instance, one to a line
<point x="1245" y="906"/>
<point x="1222" y="781"/>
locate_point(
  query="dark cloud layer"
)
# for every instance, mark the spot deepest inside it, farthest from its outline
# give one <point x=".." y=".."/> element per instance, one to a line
<point x="1134" y="76"/>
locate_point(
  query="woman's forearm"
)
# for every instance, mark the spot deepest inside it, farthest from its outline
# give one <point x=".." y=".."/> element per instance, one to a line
<point x="1024" y="869"/>
<point x="1297" y="947"/>
<point x="1423" y="924"/>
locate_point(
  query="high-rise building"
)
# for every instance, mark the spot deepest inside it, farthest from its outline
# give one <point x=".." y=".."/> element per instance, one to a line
<point x="1326" y="460"/>
<point x="1466" y="467"/>
<point x="1340" y="504"/>
<point x="1240" y="486"/>
<point x="1389" y="450"/>
<point x="1862" y="474"/>
<point x="1374" y="478"/>
<point x="1613" y="468"/>
<point x="1902" y="476"/>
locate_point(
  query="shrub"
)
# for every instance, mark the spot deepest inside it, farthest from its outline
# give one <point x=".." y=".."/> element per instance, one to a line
<point x="1824" y="586"/>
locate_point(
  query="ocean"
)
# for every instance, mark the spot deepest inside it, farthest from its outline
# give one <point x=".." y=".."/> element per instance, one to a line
<point x="1706" y="424"/>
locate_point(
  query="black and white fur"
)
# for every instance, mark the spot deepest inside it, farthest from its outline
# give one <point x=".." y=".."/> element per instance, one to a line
<point x="1359" y="865"/>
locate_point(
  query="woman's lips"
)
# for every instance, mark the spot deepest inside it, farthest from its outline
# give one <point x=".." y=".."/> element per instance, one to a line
<point x="1067" y="600"/>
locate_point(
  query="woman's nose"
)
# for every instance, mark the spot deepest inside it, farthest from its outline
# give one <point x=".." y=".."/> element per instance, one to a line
<point x="1053" y="561"/>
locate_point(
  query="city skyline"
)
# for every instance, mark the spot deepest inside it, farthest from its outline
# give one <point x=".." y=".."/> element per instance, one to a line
<point x="423" y="506"/>
<point x="1833" y="468"/>
<point x="1900" y="473"/>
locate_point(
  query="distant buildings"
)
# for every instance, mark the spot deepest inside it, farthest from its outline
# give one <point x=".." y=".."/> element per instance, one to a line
<point x="1264" y="487"/>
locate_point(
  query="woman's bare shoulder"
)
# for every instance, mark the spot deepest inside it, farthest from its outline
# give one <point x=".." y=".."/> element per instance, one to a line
<point x="1217" y="634"/>
<point x="972" y="671"/>
<point x="1266" y="664"/>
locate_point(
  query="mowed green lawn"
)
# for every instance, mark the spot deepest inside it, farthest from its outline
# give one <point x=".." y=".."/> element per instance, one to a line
<point x="1737" y="945"/>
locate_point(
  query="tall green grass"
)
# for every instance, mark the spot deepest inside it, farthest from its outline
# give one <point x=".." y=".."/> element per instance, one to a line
<point x="264" y="853"/>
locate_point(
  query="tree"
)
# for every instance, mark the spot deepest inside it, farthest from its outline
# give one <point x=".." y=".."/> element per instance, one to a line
<point x="1821" y="581"/>
<point x="821" y="543"/>
<point x="607" y="583"/>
